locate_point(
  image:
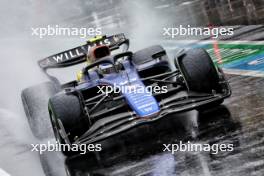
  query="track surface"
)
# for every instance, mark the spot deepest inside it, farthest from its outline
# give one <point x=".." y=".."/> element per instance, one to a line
<point x="239" y="121"/>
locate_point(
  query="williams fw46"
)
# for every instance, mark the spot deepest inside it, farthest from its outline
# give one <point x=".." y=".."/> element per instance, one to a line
<point x="105" y="100"/>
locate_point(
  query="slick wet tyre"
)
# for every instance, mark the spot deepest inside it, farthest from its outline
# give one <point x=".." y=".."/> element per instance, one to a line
<point x="152" y="54"/>
<point x="148" y="54"/>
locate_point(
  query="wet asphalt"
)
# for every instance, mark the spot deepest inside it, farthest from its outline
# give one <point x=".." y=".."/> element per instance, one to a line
<point x="238" y="121"/>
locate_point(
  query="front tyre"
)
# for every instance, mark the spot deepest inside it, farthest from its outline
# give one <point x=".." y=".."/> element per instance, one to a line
<point x="67" y="117"/>
<point x="199" y="71"/>
<point x="200" y="74"/>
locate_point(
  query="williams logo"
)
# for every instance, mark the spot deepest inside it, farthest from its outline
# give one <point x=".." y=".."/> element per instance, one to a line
<point x="76" y="52"/>
<point x="67" y="55"/>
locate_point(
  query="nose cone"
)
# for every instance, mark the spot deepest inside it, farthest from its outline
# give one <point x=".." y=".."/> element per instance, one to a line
<point x="143" y="103"/>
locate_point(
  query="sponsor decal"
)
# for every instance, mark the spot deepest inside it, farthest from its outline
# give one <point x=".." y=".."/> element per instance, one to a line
<point x="67" y="55"/>
<point x="257" y="61"/>
<point x="77" y="52"/>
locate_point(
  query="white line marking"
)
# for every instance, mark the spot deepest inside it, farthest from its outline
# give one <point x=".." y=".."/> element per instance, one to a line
<point x="244" y="72"/>
<point x="3" y="173"/>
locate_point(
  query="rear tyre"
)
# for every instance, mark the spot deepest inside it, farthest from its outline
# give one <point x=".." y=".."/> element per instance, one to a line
<point x="199" y="71"/>
<point x="35" y="100"/>
<point x="149" y="54"/>
<point x="66" y="114"/>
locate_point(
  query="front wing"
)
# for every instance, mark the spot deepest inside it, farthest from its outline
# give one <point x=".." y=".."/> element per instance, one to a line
<point x="179" y="101"/>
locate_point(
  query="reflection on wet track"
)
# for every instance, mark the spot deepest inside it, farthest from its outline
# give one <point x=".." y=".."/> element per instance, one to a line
<point x="239" y="121"/>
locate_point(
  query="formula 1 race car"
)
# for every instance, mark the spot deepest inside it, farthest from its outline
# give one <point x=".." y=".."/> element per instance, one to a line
<point x="105" y="99"/>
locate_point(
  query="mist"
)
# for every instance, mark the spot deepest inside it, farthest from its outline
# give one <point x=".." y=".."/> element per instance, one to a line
<point x="19" y="54"/>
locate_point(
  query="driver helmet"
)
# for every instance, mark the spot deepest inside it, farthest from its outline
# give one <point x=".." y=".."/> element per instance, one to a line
<point x="97" y="52"/>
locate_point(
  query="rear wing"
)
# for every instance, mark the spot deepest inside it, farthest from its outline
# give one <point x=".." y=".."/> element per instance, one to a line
<point x="78" y="54"/>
